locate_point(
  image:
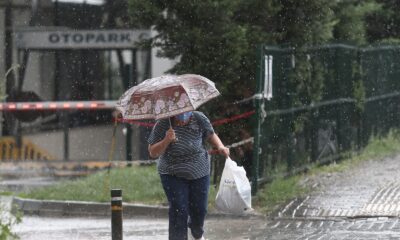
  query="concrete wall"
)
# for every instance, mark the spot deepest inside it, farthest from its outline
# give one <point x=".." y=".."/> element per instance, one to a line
<point x="89" y="143"/>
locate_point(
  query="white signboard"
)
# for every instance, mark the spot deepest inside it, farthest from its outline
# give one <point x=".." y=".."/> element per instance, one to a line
<point x="80" y="39"/>
<point x="268" y="77"/>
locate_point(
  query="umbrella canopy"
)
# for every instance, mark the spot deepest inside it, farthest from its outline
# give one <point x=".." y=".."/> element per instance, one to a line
<point x="166" y="96"/>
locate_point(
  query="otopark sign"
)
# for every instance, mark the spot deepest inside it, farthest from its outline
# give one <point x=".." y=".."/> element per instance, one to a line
<point x="79" y="39"/>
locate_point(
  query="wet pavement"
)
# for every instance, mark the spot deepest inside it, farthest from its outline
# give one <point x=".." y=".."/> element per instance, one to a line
<point x="360" y="203"/>
<point x="35" y="228"/>
<point x="370" y="189"/>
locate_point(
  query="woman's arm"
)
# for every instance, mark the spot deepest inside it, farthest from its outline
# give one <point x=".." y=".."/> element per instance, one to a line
<point x="155" y="150"/>
<point x="217" y="143"/>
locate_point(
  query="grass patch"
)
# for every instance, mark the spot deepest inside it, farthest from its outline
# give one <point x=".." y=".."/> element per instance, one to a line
<point x="6" y="193"/>
<point x="278" y="192"/>
<point x="139" y="185"/>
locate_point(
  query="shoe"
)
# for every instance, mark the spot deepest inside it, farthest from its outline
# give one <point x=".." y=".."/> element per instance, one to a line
<point x="202" y="238"/>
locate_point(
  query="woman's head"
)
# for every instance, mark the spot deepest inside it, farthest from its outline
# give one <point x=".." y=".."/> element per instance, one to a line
<point x="184" y="117"/>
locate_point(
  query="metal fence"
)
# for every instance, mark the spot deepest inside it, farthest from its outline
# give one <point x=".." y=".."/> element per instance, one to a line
<point x="327" y="102"/>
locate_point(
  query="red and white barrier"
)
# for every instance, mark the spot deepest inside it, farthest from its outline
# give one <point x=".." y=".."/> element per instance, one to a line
<point x="94" y="105"/>
<point x="60" y="105"/>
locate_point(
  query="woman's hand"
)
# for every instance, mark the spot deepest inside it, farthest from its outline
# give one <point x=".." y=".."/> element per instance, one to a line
<point x="220" y="148"/>
<point x="170" y="135"/>
<point x="224" y="151"/>
<point x="155" y="150"/>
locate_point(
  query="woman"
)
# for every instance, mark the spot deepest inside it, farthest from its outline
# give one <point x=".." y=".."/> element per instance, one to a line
<point x="184" y="169"/>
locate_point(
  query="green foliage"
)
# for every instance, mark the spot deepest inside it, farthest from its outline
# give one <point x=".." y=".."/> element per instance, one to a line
<point x="214" y="38"/>
<point x="307" y="22"/>
<point x="200" y="33"/>
<point x="384" y="23"/>
<point x="351" y="15"/>
<point x="358" y="88"/>
<point x="7" y="221"/>
<point x="379" y="147"/>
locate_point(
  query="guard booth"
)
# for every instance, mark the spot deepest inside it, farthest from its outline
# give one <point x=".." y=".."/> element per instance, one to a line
<point x="79" y="65"/>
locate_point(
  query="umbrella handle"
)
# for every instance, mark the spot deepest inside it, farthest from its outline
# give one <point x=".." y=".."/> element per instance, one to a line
<point x="170" y="125"/>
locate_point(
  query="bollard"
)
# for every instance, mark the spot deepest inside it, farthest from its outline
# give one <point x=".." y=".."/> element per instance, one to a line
<point x="116" y="214"/>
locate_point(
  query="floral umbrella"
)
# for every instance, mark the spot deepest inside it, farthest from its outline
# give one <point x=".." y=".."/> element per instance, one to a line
<point x="166" y="96"/>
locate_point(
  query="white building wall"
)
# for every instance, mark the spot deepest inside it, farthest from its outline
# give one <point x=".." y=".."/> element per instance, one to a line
<point x="47" y="74"/>
<point x="86" y="143"/>
<point x="160" y="65"/>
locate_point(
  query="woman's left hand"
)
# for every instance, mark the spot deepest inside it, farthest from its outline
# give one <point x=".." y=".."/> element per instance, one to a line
<point x="224" y="151"/>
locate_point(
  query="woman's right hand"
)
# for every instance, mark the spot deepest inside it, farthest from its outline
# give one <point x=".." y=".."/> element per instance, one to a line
<point x="170" y="135"/>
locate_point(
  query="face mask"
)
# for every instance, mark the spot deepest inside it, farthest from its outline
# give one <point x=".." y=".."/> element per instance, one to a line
<point x="184" y="117"/>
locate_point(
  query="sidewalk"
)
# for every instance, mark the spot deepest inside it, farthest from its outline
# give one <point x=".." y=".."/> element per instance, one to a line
<point x="359" y="203"/>
<point x="370" y="189"/>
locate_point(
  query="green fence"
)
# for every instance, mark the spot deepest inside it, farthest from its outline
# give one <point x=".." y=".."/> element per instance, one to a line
<point x="326" y="103"/>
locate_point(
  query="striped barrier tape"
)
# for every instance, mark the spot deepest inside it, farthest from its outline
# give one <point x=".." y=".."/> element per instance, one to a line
<point x="61" y="105"/>
<point x="150" y="161"/>
<point x="214" y="123"/>
<point x="94" y="105"/>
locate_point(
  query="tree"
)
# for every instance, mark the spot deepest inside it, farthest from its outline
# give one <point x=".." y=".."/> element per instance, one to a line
<point x="199" y="33"/>
<point x="384" y="23"/>
<point x="351" y="20"/>
<point x="214" y="38"/>
<point x="307" y="22"/>
<point x="301" y="24"/>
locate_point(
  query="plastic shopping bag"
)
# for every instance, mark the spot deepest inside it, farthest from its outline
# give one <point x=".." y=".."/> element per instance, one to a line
<point x="234" y="193"/>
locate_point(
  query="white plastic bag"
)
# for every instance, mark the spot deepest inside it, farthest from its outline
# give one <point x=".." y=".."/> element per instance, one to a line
<point x="234" y="193"/>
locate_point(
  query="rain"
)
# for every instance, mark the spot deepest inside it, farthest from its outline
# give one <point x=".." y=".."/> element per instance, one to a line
<point x="212" y="119"/>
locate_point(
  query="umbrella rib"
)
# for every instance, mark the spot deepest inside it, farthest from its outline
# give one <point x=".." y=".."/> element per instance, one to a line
<point x="187" y="93"/>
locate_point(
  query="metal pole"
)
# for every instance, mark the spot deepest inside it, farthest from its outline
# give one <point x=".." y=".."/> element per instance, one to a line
<point x="257" y="125"/>
<point x="8" y="50"/>
<point x="65" y="122"/>
<point x="8" y="126"/>
<point x="116" y="214"/>
<point x="56" y="56"/>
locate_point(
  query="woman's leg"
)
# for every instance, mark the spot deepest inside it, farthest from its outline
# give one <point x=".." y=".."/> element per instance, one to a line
<point x="198" y="201"/>
<point x="177" y="191"/>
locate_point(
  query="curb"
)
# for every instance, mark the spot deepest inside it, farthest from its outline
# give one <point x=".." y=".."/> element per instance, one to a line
<point x="55" y="208"/>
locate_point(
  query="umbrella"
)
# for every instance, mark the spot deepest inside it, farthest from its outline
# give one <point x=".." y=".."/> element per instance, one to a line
<point x="166" y="96"/>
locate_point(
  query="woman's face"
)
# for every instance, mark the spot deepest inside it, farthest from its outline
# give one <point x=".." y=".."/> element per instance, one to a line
<point x="184" y="117"/>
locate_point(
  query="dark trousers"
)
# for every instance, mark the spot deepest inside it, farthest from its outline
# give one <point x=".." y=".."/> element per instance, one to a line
<point x="187" y="205"/>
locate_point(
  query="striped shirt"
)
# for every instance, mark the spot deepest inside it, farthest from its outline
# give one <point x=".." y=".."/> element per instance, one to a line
<point x="187" y="157"/>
